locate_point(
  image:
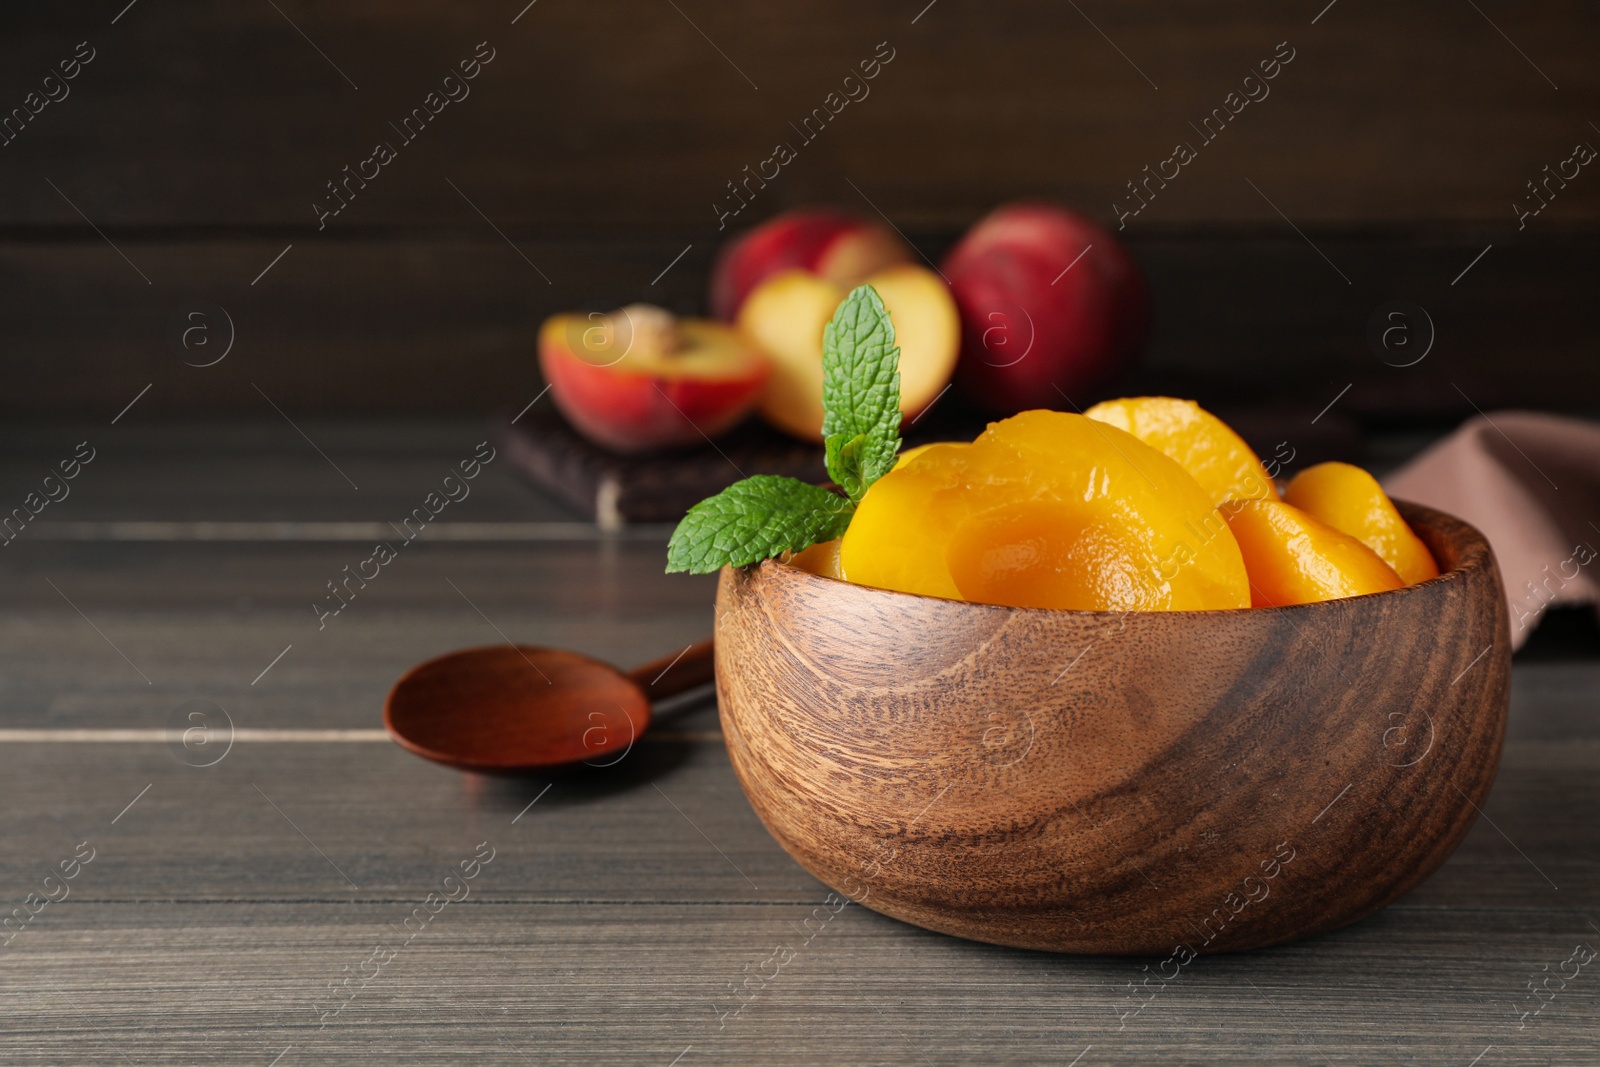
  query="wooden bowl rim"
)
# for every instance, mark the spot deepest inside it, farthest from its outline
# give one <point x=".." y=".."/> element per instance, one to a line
<point x="1470" y="547"/>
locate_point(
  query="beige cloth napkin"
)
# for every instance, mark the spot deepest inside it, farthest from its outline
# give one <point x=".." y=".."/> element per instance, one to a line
<point x="1531" y="483"/>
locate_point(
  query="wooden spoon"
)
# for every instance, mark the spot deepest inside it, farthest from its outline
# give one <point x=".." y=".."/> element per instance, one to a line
<point x="517" y="707"/>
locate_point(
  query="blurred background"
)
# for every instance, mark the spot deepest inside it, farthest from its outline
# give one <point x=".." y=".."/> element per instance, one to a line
<point x="599" y="141"/>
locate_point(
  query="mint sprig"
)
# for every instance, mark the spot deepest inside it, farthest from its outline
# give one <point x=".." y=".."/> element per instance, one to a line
<point x="758" y="518"/>
<point x="754" y="519"/>
<point x="860" y="391"/>
<point x="846" y="459"/>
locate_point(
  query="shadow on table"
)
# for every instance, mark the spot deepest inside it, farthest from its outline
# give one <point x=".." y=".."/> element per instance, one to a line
<point x="649" y="760"/>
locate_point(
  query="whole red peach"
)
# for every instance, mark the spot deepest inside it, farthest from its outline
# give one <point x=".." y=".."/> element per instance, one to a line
<point x="1052" y="305"/>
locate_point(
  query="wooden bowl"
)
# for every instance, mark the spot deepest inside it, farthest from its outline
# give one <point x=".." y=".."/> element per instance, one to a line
<point x="1143" y="783"/>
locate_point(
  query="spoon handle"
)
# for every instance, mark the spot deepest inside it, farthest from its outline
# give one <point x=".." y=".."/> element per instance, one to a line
<point x="669" y="675"/>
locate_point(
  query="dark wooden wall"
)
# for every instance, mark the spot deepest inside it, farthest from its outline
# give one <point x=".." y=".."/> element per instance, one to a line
<point x="600" y="136"/>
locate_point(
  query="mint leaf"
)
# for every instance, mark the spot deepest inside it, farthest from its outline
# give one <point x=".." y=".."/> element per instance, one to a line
<point x="755" y="519"/>
<point x="760" y="517"/>
<point x="845" y="457"/>
<point x="861" y="388"/>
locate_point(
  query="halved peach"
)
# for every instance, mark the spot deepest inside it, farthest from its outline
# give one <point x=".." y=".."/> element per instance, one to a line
<point x="786" y="315"/>
<point x="638" y="378"/>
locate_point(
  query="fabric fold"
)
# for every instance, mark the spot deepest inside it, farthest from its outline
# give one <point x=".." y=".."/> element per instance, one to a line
<point x="1531" y="483"/>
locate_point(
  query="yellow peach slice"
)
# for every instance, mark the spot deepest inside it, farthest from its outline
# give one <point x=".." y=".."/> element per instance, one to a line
<point x="1349" y="499"/>
<point x="1293" y="558"/>
<point x="893" y="541"/>
<point x="912" y="453"/>
<point x="821" y="558"/>
<point x="1047" y="509"/>
<point x="1202" y="444"/>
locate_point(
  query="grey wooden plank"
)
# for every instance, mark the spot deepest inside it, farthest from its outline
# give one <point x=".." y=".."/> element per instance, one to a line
<point x="262" y="469"/>
<point x="60" y="674"/>
<point x="614" y="922"/>
<point x="609" y="983"/>
<point x="207" y="926"/>
<point x="599" y="578"/>
<point x="648" y="828"/>
<point x="206" y="620"/>
<point x="347" y="823"/>
<point x="1555" y="701"/>
<point x="164" y="623"/>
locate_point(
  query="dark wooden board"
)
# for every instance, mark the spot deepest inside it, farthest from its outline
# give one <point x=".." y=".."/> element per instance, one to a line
<point x="620" y="490"/>
<point x="614" y="490"/>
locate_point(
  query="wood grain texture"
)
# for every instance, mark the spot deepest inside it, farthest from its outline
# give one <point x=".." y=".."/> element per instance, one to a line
<point x="637" y="115"/>
<point x="607" y="929"/>
<point x="611" y="926"/>
<point x="598" y="141"/>
<point x="955" y="765"/>
<point x="595" y="982"/>
<point x="439" y="325"/>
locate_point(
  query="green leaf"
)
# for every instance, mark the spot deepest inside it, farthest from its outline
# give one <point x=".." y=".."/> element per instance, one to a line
<point x="755" y="519"/>
<point x="845" y="457"/>
<point x="861" y="385"/>
<point x="760" y="517"/>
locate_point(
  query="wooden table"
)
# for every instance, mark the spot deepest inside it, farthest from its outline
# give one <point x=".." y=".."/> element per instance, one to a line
<point x="628" y="914"/>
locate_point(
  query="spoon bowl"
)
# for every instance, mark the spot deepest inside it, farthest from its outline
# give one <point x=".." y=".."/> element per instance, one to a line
<point x="511" y="708"/>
